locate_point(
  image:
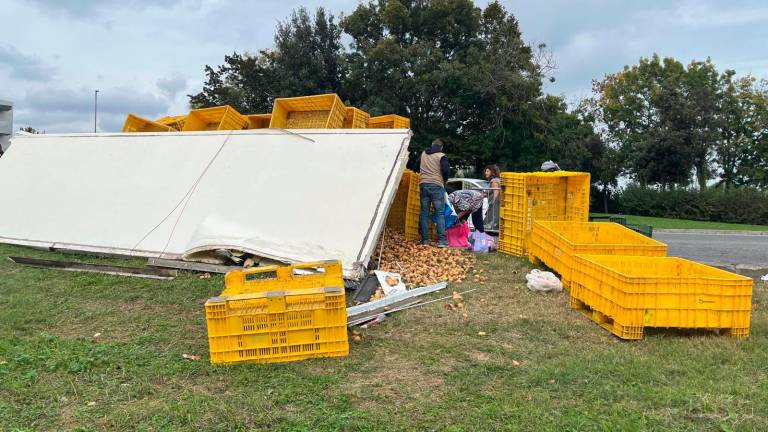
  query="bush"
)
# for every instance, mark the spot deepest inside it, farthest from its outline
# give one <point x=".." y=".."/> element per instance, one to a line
<point x="746" y="205"/>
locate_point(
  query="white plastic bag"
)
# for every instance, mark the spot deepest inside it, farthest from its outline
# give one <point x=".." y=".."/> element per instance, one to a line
<point x="388" y="289"/>
<point x="765" y="278"/>
<point x="543" y="281"/>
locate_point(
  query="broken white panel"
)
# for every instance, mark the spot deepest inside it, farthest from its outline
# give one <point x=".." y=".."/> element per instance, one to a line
<point x="292" y="196"/>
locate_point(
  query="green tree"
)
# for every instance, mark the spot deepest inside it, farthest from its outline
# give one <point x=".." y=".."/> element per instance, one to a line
<point x="648" y="116"/>
<point x="459" y="72"/>
<point x="742" y="147"/>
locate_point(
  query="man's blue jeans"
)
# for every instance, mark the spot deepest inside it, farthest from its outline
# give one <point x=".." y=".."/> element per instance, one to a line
<point x="432" y="194"/>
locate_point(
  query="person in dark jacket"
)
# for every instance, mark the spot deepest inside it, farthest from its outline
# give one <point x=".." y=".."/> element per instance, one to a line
<point x="433" y="169"/>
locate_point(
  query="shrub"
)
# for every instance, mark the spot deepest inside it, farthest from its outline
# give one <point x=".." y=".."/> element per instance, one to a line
<point x="745" y="205"/>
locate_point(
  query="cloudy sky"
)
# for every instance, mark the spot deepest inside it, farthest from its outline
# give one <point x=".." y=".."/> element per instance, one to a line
<point x="145" y="56"/>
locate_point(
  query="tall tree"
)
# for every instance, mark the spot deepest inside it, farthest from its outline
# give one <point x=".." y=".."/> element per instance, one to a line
<point x="742" y="147"/>
<point x="459" y="72"/>
<point x="661" y="116"/>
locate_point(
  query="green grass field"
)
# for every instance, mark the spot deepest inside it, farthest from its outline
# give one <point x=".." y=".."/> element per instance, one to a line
<point x="541" y="366"/>
<point x="667" y="223"/>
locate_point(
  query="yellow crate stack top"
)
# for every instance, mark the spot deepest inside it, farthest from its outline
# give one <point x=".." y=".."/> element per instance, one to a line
<point x="556" y="243"/>
<point x="625" y="294"/>
<point x="308" y="112"/>
<point x="528" y="197"/>
<point x="217" y="118"/>
<point x="278" y="314"/>
<point x="389" y="121"/>
<point x="258" y="121"/>
<point x="176" y="122"/>
<point x="355" y="118"/>
<point x="134" y="123"/>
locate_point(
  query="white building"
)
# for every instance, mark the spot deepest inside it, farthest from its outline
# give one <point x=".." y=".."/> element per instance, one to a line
<point x="6" y="125"/>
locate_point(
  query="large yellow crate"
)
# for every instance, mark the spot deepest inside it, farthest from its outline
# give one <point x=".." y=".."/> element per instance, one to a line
<point x="274" y="278"/>
<point x="176" y="122"/>
<point x="216" y="118"/>
<point x="277" y="326"/>
<point x="258" y="121"/>
<point x="355" y="118"/>
<point x="528" y="197"/>
<point x="624" y="294"/>
<point x="134" y="123"/>
<point x="308" y="112"/>
<point x="404" y="214"/>
<point x="396" y="215"/>
<point x="556" y="243"/>
<point x="389" y="121"/>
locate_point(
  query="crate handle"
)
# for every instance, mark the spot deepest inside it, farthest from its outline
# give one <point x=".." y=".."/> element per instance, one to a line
<point x="256" y="270"/>
<point x="321" y="266"/>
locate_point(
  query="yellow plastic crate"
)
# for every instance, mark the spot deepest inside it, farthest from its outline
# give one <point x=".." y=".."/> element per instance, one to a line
<point x="396" y="215"/>
<point x="275" y="278"/>
<point x="176" y="122"/>
<point x="258" y="121"/>
<point x="389" y="121"/>
<point x="134" y="123"/>
<point x="355" y="118"/>
<point x="217" y="118"/>
<point x="277" y="326"/>
<point x="308" y="112"/>
<point x="556" y="243"/>
<point x="624" y="294"/>
<point x="528" y="197"/>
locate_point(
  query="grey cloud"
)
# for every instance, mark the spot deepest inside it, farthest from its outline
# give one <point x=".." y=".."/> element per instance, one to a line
<point x="89" y="8"/>
<point x="118" y="100"/>
<point x="171" y="86"/>
<point x="71" y="110"/>
<point x="24" y="67"/>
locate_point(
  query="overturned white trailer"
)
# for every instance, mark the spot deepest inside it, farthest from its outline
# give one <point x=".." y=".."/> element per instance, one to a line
<point x="298" y="195"/>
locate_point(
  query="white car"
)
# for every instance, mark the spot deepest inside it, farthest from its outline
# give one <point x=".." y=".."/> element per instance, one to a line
<point x="455" y="184"/>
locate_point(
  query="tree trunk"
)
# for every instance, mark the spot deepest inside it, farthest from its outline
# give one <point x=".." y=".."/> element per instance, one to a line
<point x="701" y="176"/>
<point x="605" y="198"/>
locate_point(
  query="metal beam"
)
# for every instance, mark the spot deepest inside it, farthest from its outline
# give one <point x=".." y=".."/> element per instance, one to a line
<point x="149" y="273"/>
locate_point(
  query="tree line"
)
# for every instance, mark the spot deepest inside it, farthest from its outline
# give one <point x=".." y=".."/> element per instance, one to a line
<point x="464" y="74"/>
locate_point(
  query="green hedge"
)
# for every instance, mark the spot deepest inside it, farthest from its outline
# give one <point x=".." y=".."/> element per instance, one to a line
<point x="747" y="205"/>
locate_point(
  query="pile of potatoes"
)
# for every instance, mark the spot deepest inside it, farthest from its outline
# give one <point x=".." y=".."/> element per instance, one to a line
<point x="424" y="265"/>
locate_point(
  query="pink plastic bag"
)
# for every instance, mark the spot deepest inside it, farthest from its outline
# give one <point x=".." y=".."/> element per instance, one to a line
<point x="457" y="235"/>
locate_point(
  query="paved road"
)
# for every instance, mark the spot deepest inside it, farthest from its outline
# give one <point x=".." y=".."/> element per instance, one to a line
<point x="717" y="248"/>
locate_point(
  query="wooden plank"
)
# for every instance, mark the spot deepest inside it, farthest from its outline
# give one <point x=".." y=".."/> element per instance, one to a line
<point x="149" y="273"/>
<point x="189" y="265"/>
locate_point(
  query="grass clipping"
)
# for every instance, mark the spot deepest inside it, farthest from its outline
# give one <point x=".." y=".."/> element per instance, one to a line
<point x="424" y="265"/>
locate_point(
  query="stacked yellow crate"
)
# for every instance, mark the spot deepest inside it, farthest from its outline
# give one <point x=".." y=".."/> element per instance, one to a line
<point x="278" y="314"/>
<point x="325" y="111"/>
<point x="538" y="196"/>
<point x="355" y="118"/>
<point x="404" y="213"/>
<point x="389" y="121"/>
<point x="135" y="123"/>
<point x="213" y="119"/>
<point x="308" y="112"/>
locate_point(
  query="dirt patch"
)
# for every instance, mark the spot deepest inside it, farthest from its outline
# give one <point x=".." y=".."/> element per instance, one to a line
<point x="394" y="381"/>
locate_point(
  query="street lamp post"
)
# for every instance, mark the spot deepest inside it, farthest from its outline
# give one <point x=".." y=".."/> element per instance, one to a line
<point x="95" y="108"/>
